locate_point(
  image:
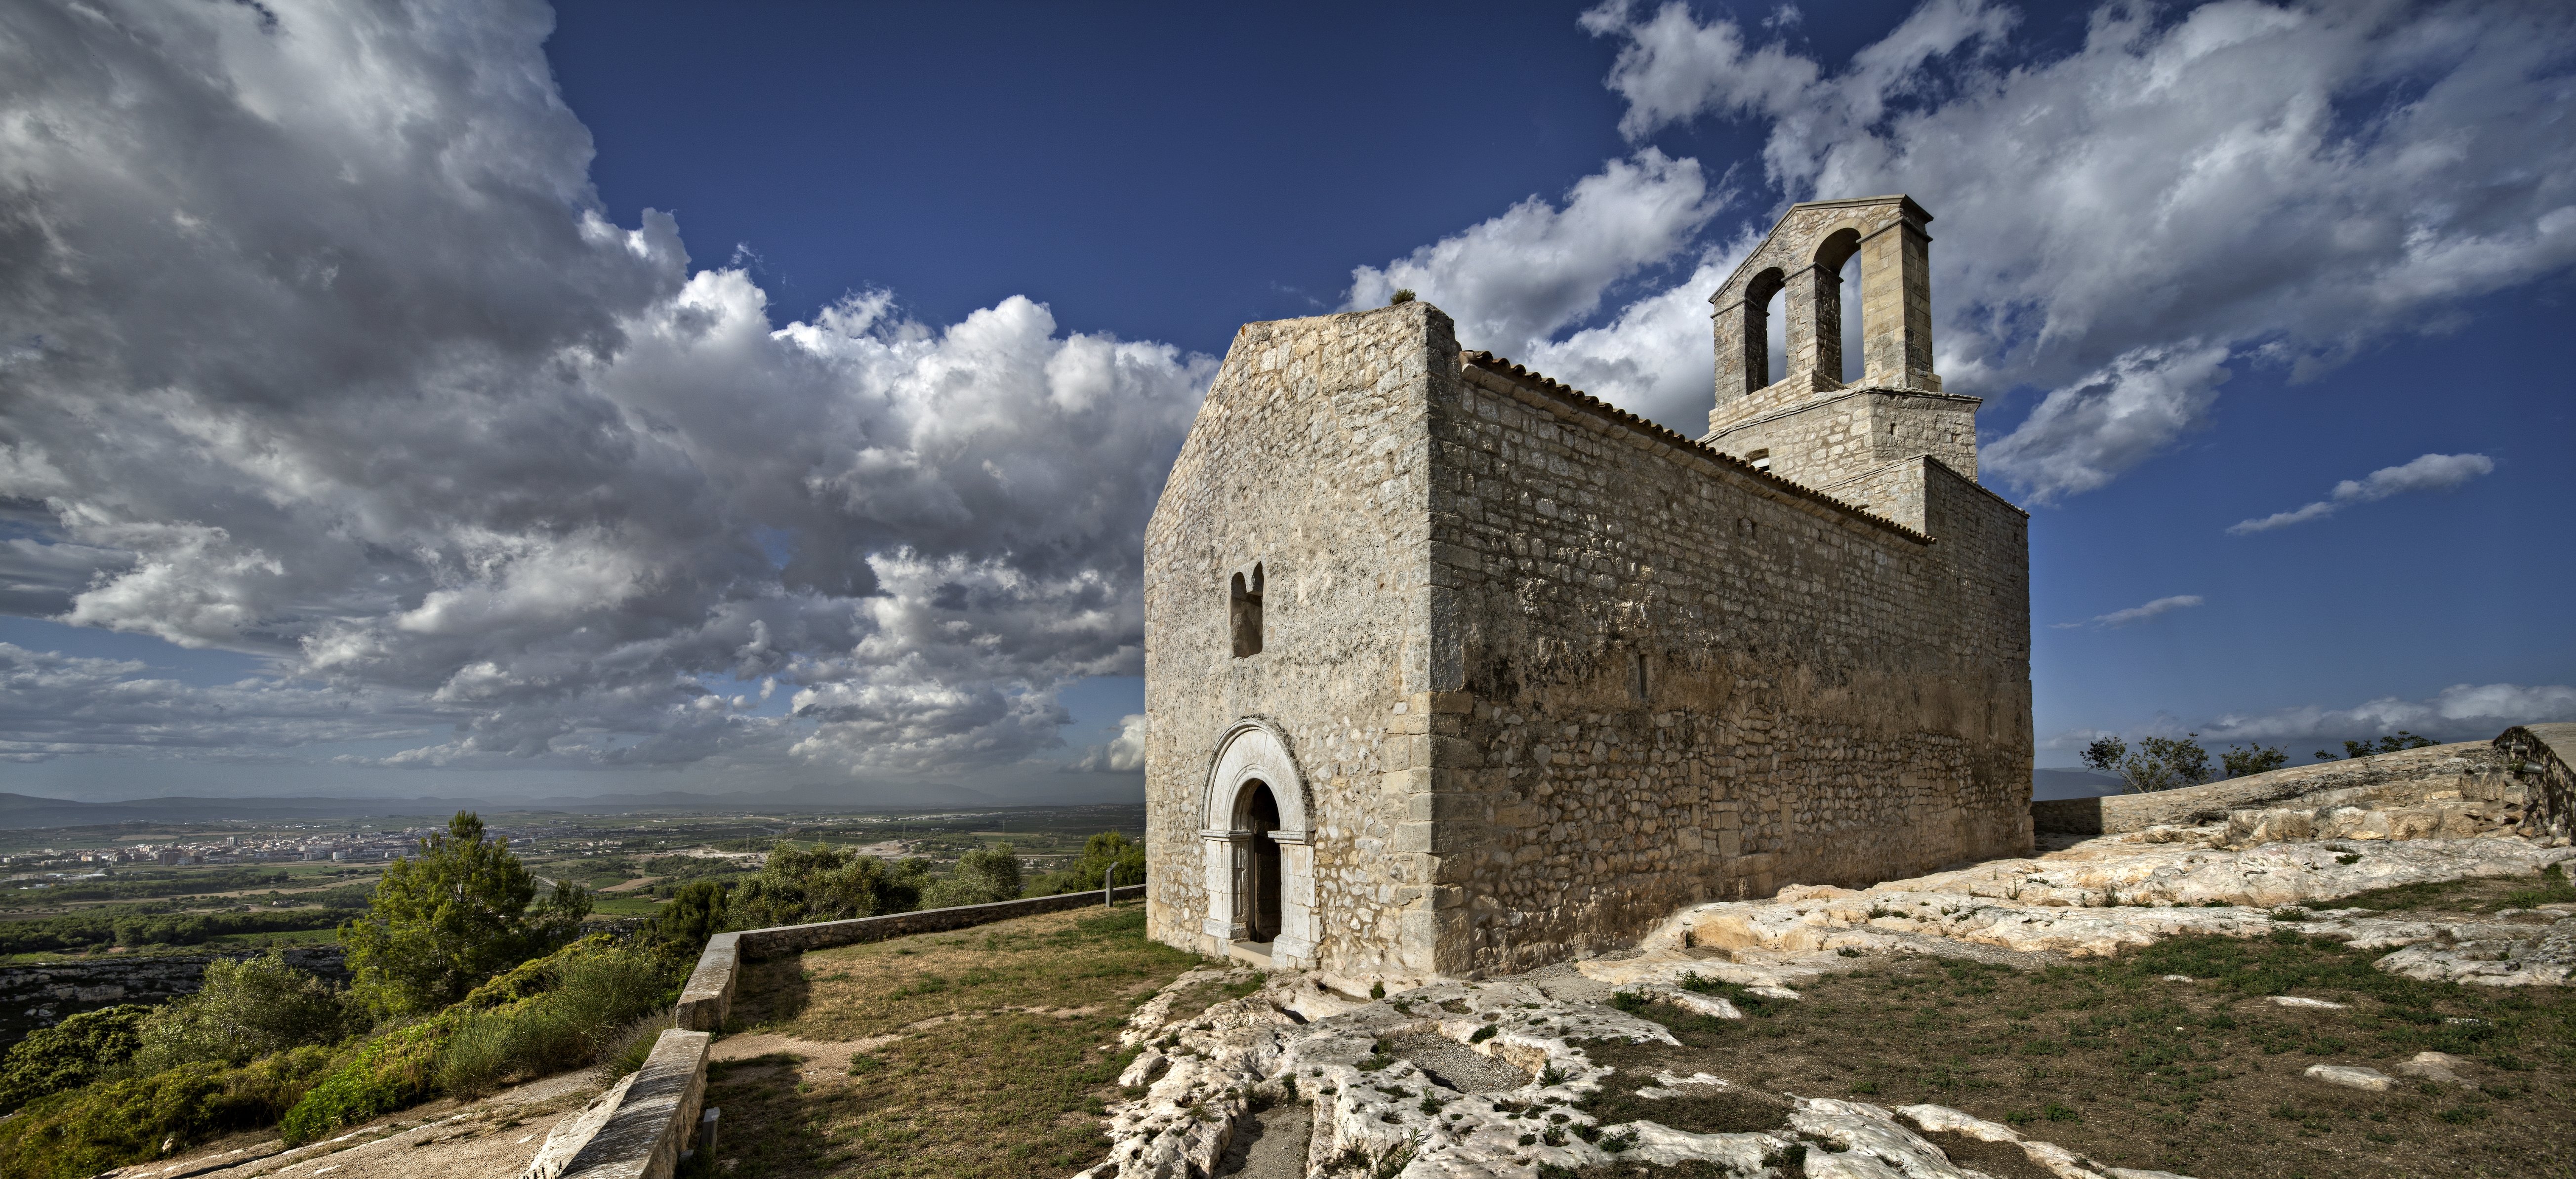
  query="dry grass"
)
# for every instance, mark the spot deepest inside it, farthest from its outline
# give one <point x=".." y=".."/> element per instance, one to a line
<point x="1004" y="1056"/>
<point x="2201" y="1077"/>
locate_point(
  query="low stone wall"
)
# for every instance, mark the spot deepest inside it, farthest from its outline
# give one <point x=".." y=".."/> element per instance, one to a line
<point x="2548" y="757"/>
<point x="638" y="1128"/>
<point x="708" y="997"/>
<point x="2194" y="805"/>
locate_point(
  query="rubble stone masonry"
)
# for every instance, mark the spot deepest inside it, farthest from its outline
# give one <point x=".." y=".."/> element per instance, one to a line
<point x="1527" y="673"/>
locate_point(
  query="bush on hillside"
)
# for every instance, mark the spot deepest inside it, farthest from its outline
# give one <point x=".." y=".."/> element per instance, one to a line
<point x="981" y="877"/>
<point x="247" y="1008"/>
<point x="70" y="1054"/>
<point x="1100" y="854"/>
<point x="596" y="994"/>
<point x="799" y="886"/>
<point x="556" y="1012"/>
<point x="84" y="1131"/>
<point x="388" y="1072"/>
<point x="2243" y="762"/>
<point x="460" y="911"/>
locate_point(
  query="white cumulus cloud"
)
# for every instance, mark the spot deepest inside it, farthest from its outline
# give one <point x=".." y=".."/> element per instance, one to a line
<point x="2431" y="472"/>
<point x="2140" y="613"/>
<point x="322" y="348"/>
<point x="1124" y="753"/>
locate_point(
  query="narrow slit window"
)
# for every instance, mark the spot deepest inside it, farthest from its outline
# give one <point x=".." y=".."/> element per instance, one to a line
<point x="1243" y="612"/>
<point x="1637" y="675"/>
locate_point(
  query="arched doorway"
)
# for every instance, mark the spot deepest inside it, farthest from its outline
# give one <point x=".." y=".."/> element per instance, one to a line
<point x="1256" y="886"/>
<point x="1254" y="823"/>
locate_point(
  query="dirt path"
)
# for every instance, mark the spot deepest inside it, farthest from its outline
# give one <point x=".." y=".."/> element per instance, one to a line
<point x="443" y="1140"/>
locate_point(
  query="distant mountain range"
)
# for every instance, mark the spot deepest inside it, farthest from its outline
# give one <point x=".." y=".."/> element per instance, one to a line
<point x="21" y="811"/>
<point x="2048" y="784"/>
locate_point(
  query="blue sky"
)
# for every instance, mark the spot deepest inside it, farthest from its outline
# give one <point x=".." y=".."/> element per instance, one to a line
<point x="617" y="396"/>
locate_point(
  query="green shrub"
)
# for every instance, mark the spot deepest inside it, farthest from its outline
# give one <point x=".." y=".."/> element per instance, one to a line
<point x="70" y="1054"/>
<point x="109" y="1124"/>
<point x="596" y="994"/>
<point x="1101" y="854"/>
<point x="627" y="1049"/>
<point x="389" y="1072"/>
<point x="803" y="885"/>
<point x="247" y="1008"/>
<point x="982" y="876"/>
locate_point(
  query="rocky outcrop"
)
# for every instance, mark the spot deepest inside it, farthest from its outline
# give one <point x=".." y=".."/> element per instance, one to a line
<point x="2467" y="772"/>
<point x="1381" y="1108"/>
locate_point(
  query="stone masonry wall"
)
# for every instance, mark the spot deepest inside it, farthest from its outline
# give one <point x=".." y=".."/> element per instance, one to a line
<point x="1684" y="682"/>
<point x="1841" y="436"/>
<point x="1311" y="458"/>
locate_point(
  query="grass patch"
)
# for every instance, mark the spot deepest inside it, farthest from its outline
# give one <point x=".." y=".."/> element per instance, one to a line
<point x="2110" y="1060"/>
<point x="2486" y="894"/>
<point x="999" y="1071"/>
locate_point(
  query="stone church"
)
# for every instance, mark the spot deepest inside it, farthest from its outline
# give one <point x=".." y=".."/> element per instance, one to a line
<point x="1451" y="670"/>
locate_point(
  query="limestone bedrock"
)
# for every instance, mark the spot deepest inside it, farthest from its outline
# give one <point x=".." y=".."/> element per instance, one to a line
<point x="2097" y="897"/>
<point x="1373" y="1069"/>
<point x="1377" y="1112"/>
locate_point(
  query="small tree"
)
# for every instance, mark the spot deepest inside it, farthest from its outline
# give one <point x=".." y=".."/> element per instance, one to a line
<point x="2388" y="744"/>
<point x="695" y="914"/>
<point x="247" y="1008"/>
<point x="983" y="876"/>
<point x="458" y="912"/>
<point x="2160" y="763"/>
<point x="2242" y="762"/>
<point x="1402" y="295"/>
<point x="2104" y="755"/>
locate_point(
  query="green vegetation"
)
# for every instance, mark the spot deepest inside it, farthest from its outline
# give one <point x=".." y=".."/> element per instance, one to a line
<point x="2160" y="763"/>
<point x="1102" y="855"/>
<point x="134" y="883"/>
<point x="448" y="918"/>
<point x="802" y="885"/>
<point x="982" y="876"/>
<point x="2243" y="762"/>
<point x="246" y="1008"/>
<point x="99" y="930"/>
<point x="72" y="1053"/>
<point x="476" y="982"/>
<point x="471" y="977"/>
<point x="2392" y="743"/>
<point x="127" y="1119"/>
